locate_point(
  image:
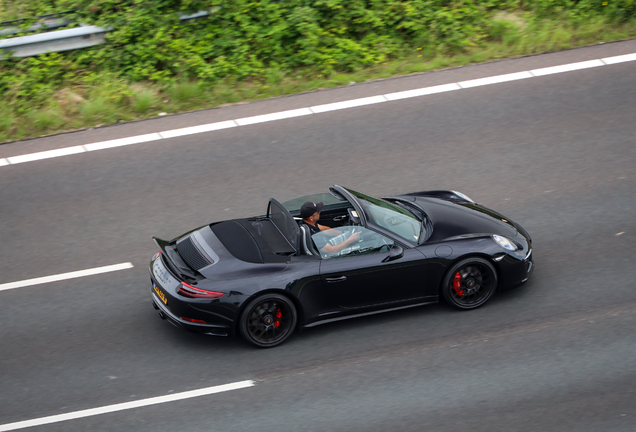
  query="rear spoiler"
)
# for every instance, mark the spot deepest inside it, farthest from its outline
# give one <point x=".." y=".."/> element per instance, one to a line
<point x="161" y="244"/>
<point x="171" y="260"/>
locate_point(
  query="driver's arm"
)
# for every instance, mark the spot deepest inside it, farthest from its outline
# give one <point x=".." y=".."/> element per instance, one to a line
<point x="329" y="231"/>
<point x="331" y="249"/>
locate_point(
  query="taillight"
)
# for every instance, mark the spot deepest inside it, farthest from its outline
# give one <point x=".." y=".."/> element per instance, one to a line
<point x="193" y="320"/>
<point x="190" y="291"/>
<point x="157" y="255"/>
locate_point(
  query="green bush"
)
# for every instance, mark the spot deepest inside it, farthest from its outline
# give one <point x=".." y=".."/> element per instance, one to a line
<point x="246" y="39"/>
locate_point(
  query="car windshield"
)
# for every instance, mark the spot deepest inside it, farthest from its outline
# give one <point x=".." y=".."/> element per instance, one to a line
<point x="394" y="218"/>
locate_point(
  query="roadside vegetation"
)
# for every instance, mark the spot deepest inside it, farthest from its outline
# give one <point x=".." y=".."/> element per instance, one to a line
<point x="153" y="64"/>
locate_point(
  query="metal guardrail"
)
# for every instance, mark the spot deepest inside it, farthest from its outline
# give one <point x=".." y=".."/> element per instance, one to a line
<point x="61" y="40"/>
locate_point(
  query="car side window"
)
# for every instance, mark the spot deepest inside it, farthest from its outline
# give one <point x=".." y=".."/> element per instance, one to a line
<point x="350" y="241"/>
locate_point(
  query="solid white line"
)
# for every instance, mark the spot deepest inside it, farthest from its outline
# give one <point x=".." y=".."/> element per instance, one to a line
<point x="347" y="104"/>
<point x="46" y="154"/>
<point x="273" y="116"/>
<point x="126" y="405"/>
<point x="198" y="129"/>
<point x="619" y="59"/>
<point x="122" y="142"/>
<point x="494" y="79"/>
<point x="422" y="91"/>
<point x="245" y="121"/>
<point x="566" y="67"/>
<point x="64" y="276"/>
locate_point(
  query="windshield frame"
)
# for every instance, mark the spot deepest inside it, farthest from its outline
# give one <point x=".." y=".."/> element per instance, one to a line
<point x="362" y="200"/>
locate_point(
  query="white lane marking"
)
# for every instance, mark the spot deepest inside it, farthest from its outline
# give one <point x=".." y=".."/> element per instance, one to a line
<point x="273" y="116"/>
<point x="198" y="129"/>
<point x="122" y="142"/>
<point x="347" y="104"/>
<point x="46" y="154"/>
<point x="126" y="405"/>
<point x="494" y="79"/>
<point x="567" y="67"/>
<point x="422" y="91"/>
<point x="619" y="59"/>
<point x="318" y="109"/>
<point x="64" y="276"/>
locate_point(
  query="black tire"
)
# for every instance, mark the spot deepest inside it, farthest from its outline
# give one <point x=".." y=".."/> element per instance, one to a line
<point x="469" y="283"/>
<point x="268" y="320"/>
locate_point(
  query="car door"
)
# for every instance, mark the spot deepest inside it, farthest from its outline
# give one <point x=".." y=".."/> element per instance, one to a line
<point x="364" y="275"/>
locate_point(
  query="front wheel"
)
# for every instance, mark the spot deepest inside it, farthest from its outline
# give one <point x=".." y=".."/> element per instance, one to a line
<point x="268" y="320"/>
<point x="469" y="283"/>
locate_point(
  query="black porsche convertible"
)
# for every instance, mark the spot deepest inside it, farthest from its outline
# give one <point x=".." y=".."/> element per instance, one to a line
<point x="266" y="276"/>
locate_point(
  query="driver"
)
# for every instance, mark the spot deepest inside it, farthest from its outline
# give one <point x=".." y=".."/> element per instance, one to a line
<point x="310" y="213"/>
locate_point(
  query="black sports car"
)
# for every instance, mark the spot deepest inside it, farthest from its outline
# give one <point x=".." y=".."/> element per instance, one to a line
<point x="265" y="276"/>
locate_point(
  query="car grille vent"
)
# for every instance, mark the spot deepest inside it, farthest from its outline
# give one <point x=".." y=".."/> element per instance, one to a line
<point x="191" y="255"/>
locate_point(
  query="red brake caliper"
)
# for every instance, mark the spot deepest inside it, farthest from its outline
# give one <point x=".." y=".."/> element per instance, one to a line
<point x="278" y="316"/>
<point x="457" y="283"/>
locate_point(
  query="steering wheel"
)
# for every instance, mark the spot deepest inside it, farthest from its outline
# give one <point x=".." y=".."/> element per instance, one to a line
<point x="354" y="219"/>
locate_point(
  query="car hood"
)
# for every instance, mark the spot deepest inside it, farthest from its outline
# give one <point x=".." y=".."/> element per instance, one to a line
<point x="452" y="219"/>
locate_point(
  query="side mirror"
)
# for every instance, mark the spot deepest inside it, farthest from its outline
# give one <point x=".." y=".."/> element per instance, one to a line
<point x="394" y="253"/>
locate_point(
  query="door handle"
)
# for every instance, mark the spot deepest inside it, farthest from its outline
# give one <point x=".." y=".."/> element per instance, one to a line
<point x="340" y="218"/>
<point x="337" y="279"/>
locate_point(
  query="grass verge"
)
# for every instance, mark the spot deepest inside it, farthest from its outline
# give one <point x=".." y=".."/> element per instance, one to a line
<point x="113" y="100"/>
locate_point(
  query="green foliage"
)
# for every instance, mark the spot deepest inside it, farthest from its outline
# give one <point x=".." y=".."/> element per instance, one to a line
<point x="40" y="121"/>
<point x="7" y="119"/>
<point x="262" y="43"/>
<point x="617" y="10"/>
<point x="183" y="91"/>
<point x="11" y="10"/>
<point x="98" y="110"/>
<point x="144" y="100"/>
<point x="245" y="39"/>
<point x="34" y="79"/>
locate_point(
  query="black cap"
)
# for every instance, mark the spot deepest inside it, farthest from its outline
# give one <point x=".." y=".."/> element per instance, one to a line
<point x="310" y="208"/>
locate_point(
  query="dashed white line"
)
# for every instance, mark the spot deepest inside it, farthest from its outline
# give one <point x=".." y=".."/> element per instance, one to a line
<point x="245" y="121"/>
<point x="567" y="68"/>
<point x="495" y="79"/>
<point x="198" y="129"/>
<point x="348" y="104"/>
<point x="125" y="406"/>
<point x="619" y="59"/>
<point x="122" y="142"/>
<point x="65" y="276"/>
<point x="46" y="154"/>
<point x="273" y="116"/>
<point x="422" y="91"/>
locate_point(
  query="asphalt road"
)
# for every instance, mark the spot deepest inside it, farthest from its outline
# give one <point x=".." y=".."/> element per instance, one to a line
<point x="556" y="154"/>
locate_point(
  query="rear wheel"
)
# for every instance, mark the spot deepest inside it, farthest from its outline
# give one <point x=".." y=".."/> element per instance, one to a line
<point x="268" y="320"/>
<point x="470" y="283"/>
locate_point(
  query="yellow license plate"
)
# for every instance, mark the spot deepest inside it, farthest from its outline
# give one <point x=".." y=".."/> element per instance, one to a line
<point x="160" y="293"/>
